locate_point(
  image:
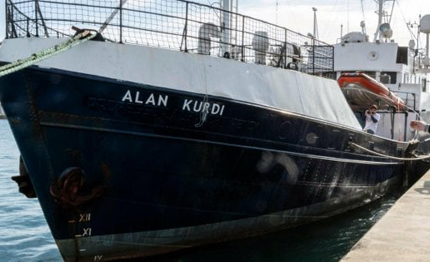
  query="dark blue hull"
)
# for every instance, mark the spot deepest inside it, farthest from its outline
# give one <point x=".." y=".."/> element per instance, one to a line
<point x="158" y="172"/>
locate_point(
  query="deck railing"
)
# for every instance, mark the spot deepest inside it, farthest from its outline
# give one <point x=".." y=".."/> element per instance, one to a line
<point x="173" y="24"/>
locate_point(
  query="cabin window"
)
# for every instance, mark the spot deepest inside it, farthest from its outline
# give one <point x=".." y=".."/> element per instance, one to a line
<point x="388" y="77"/>
<point x="424" y="85"/>
<point x="402" y="55"/>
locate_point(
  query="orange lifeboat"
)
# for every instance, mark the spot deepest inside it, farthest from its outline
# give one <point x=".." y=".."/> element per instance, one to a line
<point x="361" y="91"/>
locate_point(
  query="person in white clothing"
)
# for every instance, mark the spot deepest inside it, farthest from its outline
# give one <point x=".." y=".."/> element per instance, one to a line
<point x="372" y="119"/>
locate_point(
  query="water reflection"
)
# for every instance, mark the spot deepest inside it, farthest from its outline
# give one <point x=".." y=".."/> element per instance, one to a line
<point x="326" y="240"/>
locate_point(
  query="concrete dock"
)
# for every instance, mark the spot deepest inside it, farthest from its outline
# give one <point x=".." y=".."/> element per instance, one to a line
<point x="403" y="233"/>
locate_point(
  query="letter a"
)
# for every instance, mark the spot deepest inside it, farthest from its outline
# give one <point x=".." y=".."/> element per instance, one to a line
<point x="127" y="97"/>
<point x="150" y="100"/>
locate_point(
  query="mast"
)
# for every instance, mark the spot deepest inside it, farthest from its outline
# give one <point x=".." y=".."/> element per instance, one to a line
<point x="236" y="16"/>
<point x="380" y="14"/>
<point x="226" y="27"/>
<point x="341" y="31"/>
<point x="383" y="18"/>
<point x="315" y="23"/>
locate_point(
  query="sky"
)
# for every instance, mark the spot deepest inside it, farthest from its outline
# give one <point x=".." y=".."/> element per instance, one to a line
<point x="297" y="15"/>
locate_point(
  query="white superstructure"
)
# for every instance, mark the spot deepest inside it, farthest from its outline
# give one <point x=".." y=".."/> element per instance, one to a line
<point x="400" y="68"/>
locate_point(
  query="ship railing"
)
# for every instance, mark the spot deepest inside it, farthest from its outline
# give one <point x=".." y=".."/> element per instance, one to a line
<point x="173" y="24"/>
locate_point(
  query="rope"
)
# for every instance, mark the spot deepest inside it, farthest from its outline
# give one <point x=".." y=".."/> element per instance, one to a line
<point x="387" y="156"/>
<point x="47" y="53"/>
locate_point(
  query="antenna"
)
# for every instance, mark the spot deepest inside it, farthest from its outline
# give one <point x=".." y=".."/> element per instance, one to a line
<point x="315" y="23"/>
<point x="363" y="27"/>
<point x="347" y="16"/>
<point x="341" y="31"/>
<point x="364" y="19"/>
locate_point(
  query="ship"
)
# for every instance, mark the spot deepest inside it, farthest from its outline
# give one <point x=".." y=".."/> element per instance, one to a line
<point x="182" y="124"/>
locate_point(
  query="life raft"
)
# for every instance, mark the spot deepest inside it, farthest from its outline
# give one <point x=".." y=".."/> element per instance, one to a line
<point x="362" y="91"/>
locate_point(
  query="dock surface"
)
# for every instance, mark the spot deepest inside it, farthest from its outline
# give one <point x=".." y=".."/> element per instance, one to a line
<point x="403" y="233"/>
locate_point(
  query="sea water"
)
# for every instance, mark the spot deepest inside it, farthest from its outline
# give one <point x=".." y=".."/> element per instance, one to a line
<point x="25" y="236"/>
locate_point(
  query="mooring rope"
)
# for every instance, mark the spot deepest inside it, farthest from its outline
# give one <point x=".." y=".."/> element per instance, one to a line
<point x="387" y="156"/>
<point x="47" y="53"/>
